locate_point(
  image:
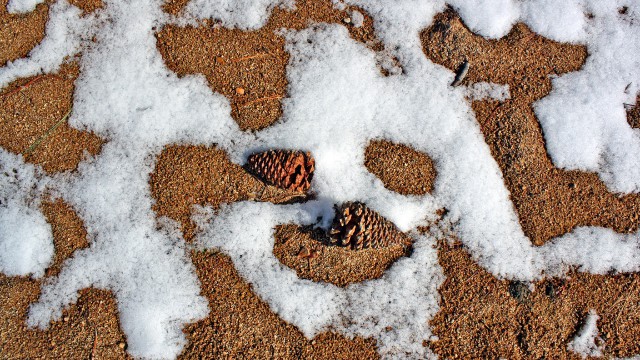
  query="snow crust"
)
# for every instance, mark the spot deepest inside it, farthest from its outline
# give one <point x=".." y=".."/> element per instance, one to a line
<point x="338" y="101"/>
<point x="584" y="343"/>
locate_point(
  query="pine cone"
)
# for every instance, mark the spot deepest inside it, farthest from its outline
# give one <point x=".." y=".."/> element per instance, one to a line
<point x="359" y="227"/>
<point x="287" y="169"/>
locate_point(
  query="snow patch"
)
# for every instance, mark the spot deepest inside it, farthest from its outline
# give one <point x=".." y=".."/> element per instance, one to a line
<point x="26" y="242"/>
<point x="22" y="6"/>
<point x="338" y="101"/>
<point x="487" y="90"/>
<point x="587" y="341"/>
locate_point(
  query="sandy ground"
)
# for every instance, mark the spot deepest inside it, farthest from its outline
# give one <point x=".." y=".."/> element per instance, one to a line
<point x="480" y="317"/>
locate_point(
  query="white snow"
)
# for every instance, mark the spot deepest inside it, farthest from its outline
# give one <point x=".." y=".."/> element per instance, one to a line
<point x="357" y="19"/>
<point x="26" y="242"/>
<point x="243" y="14"/>
<point x="22" y="6"/>
<point x="338" y="101"/>
<point x="486" y="90"/>
<point x="404" y="299"/>
<point x="587" y="342"/>
<point x="594" y="135"/>
<point x="65" y="32"/>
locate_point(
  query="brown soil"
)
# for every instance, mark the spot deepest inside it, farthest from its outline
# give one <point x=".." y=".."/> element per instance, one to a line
<point x="241" y="326"/>
<point x="87" y="6"/>
<point x="401" y="168"/>
<point x="88" y="329"/>
<point x="305" y="250"/>
<point x="485" y="318"/>
<point x="29" y="110"/>
<point x="19" y="33"/>
<point x="68" y="232"/>
<point x="189" y="175"/>
<point x="633" y="115"/>
<point x="549" y="201"/>
<point x="480" y="318"/>
<point x="247" y="67"/>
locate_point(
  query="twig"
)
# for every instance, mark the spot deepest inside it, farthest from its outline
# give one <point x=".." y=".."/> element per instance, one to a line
<point x="22" y="87"/>
<point x="31" y="82"/>
<point x="267" y="98"/>
<point x="259" y="55"/>
<point x="46" y="134"/>
<point x="95" y="343"/>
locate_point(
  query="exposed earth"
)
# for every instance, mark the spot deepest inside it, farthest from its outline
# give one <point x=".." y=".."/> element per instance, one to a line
<point x="480" y="316"/>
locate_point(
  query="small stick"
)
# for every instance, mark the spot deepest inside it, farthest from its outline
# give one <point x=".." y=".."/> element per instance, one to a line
<point x="461" y="73"/>
<point x="259" y="55"/>
<point x="267" y="98"/>
<point x="95" y="343"/>
<point x="20" y="88"/>
<point x="46" y="134"/>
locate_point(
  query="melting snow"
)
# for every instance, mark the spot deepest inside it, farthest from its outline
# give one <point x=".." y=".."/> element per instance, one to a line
<point x="338" y="101"/>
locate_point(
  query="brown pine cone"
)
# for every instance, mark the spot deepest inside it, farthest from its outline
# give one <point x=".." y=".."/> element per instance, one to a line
<point x="287" y="169"/>
<point x="359" y="227"/>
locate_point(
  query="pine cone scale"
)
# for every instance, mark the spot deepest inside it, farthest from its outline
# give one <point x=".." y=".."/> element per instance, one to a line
<point x="287" y="169"/>
<point x="359" y="227"/>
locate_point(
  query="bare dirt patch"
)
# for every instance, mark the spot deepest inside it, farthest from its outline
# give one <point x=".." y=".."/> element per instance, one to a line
<point x="19" y="33"/>
<point x="549" y="201"/>
<point x="483" y="317"/>
<point x="241" y="325"/>
<point x="87" y="6"/>
<point x="633" y="114"/>
<point x="401" y="168"/>
<point x="32" y="121"/>
<point x="248" y="67"/>
<point x="306" y="251"/>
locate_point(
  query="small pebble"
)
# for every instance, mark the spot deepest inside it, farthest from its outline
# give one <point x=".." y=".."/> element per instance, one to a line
<point x="219" y="60"/>
<point x="66" y="318"/>
<point x="121" y="345"/>
<point x="347" y="20"/>
<point x="240" y="91"/>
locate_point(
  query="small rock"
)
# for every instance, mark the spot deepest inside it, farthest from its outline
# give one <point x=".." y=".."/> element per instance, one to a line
<point x="240" y="91"/>
<point x="347" y="20"/>
<point x="121" y="345"/>
<point x="219" y="60"/>
<point x="519" y="291"/>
